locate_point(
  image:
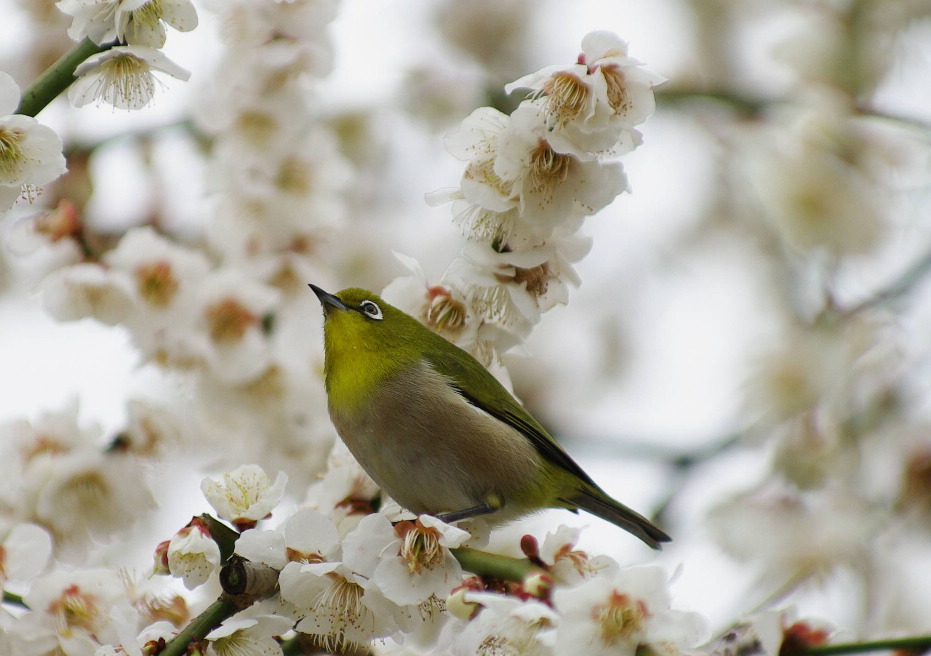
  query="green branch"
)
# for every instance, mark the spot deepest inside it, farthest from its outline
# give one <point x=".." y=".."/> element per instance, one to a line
<point x="57" y="77"/>
<point x="200" y="626"/>
<point x="493" y="565"/>
<point x="917" y="644"/>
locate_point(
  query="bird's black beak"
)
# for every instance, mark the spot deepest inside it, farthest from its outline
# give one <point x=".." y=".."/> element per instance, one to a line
<point x="328" y="301"/>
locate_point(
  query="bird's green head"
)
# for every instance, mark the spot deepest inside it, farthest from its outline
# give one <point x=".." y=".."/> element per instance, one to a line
<point x="359" y="319"/>
<point x="366" y="339"/>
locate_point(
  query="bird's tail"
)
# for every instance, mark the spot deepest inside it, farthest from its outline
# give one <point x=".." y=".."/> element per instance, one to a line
<point x="600" y="504"/>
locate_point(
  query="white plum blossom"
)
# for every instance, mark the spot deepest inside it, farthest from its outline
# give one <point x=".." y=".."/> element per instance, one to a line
<point x="515" y="286"/>
<point x="87" y="290"/>
<point x="132" y="641"/>
<point x="121" y="76"/>
<point x="503" y="625"/>
<point x="441" y="307"/>
<point x="530" y="180"/>
<point x="151" y="429"/>
<point x="334" y="604"/>
<point x="245" y="495"/>
<point x="792" y="536"/>
<point x="131" y="22"/>
<point x="620" y="610"/>
<point x="72" y="612"/>
<point x="230" y="329"/>
<point x="47" y="240"/>
<point x="307" y="536"/>
<point x="250" y="26"/>
<point x="91" y="493"/>
<point x="410" y="562"/>
<point x="193" y="555"/>
<point x="161" y="273"/>
<point x="592" y="106"/>
<point x="30" y="153"/>
<point x="248" y="636"/>
<point x="552" y="188"/>
<point x="345" y="492"/>
<point x="569" y="565"/>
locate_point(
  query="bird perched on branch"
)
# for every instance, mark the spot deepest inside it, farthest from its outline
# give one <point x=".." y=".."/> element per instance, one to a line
<point x="437" y="432"/>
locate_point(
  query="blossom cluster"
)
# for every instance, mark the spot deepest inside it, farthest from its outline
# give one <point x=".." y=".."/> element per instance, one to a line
<point x="276" y="172"/>
<point x="530" y="179"/>
<point x="375" y="579"/>
<point x="348" y="575"/>
<point x="212" y="308"/>
<point x="59" y="475"/>
<point x="132" y="33"/>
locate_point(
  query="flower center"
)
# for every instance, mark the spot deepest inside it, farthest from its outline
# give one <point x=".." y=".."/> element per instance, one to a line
<point x="127" y="78"/>
<point x="483" y="172"/>
<point x="156" y="283"/>
<point x="296" y="556"/>
<point x="229" y="321"/>
<point x="618" y="97"/>
<point x="294" y="177"/>
<point x="420" y="548"/>
<point x="537" y="278"/>
<point x="75" y="609"/>
<point x="548" y="169"/>
<point x="343" y="601"/>
<point x="149" y="14"/>
<point x="567" y="96"/>
<point x="12" y="158"/>
<point x="256" y="126"/>
<point x="445" y="313"/>
<point x="619" y="619"/>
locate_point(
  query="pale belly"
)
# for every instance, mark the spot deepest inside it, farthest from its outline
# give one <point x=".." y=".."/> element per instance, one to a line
<point x="433" y="452"/>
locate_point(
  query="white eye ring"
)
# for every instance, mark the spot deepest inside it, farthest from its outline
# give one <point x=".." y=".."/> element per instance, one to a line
<point x="371" y="310"/>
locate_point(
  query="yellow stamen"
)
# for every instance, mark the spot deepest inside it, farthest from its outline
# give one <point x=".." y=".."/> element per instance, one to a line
<point x="567" y="96"/>
<point x="229" y="320"/>
<point x="156" y="283"/>
<point x="12" y="158"/>
<point x="548" y="169"/>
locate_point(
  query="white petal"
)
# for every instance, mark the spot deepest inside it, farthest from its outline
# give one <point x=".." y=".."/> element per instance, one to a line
<point x="9" y="94"/>
<point x="180" y="14"/>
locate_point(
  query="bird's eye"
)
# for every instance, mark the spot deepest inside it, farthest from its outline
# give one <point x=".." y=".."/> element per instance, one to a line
<point x="371" y="310"/>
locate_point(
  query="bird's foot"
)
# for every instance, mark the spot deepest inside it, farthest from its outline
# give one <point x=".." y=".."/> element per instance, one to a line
<point x="490" y="506"/>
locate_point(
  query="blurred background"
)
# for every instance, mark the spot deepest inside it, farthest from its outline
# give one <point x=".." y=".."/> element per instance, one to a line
<point x="746" y="354"/>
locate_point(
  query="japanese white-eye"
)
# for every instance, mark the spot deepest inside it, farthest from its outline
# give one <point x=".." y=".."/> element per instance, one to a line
<point x="437" y="432"/>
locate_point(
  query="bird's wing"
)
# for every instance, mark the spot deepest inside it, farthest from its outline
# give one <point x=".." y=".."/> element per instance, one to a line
<point x="494" y="398"/>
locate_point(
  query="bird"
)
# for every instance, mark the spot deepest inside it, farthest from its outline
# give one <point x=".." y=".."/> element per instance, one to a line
<point x="435" y="429"/>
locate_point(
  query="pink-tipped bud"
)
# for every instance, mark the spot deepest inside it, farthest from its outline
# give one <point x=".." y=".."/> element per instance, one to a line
<point x="530" y="547"/>
<point x="160" y="559"/>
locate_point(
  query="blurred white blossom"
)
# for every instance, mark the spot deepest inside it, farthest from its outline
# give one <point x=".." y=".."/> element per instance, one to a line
<point x="24" y="552"/>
